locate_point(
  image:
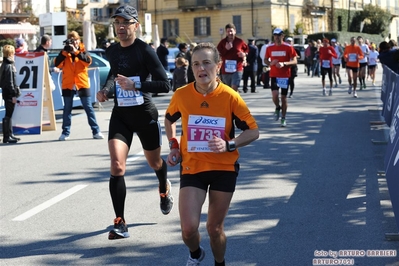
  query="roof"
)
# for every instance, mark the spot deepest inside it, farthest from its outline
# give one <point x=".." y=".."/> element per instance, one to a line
<point x="19" y="28"/>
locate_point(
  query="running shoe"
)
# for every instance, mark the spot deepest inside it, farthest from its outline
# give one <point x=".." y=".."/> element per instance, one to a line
<point x="324" y="91"/>
<point x="350" y="89"/>
<point x="355" y="95"/>
<point x="166" y="199"/>
<point x="336" y="85"/>
<point x="330" y="93"/>
<point x="340" y="81"/>
<point x="63" y="137"/>
<point x="99" y="135"/>
<point x="119" y="231"/>
<point x="277" y="114"/>
<point x="364" y="86"/>
<point x="196" y="262"/>
<point x="283" y="123"/>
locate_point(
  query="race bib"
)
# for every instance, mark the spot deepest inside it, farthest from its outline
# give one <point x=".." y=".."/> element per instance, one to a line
<point x="352" y="57"/>
<point x="201" y="129"/>
<point x="230" y="66"/>
<point x="325" y="63"/>
<point x="129" y="98"/>
<point x="282" y="83"/>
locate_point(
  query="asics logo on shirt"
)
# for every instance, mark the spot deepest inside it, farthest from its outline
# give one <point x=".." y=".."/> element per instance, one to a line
<point x="206" y="121"/>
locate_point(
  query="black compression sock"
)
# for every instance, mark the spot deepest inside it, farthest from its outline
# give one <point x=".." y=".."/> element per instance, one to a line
<point x="196" y="254"/>
<point x="162" y="176"/>
<point x="117" y="188"/>
<point x="220" y="263"/>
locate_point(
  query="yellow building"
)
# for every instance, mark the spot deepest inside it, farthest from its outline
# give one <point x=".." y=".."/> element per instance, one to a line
<point x="204" y="20"/>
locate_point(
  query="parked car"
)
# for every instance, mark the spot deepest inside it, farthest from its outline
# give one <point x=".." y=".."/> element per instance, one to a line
<point x="104" y="68"/>
<point x="171" y="58"/>
<point x="100" y="52"/>
<point x="97" y="61"/>
<point x="300" y="50"/>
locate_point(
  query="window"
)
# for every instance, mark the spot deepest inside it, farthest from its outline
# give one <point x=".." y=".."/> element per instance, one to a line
<point x="315" y="24"/>
<point x="96" y="13"/>
<point x="202" y="26"/>
<point x="94" y="1"/>
<point x="237" y="23"/>
<point x="170" y="27"/>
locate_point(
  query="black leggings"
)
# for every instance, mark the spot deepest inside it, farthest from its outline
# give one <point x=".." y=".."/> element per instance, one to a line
<point x="324" y="71"/>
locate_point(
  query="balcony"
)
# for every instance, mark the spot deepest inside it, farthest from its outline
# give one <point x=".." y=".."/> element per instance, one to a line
<point x="80" y="4"/>
<point x="191" y="5"/>
<point x="113" y="3"/>
<point x="101" y="19"/>
<point x="16" y="10"/>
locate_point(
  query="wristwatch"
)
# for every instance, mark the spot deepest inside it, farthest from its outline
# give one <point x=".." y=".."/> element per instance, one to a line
<point x="137" y="85"/>
<point x="230" y="145"/>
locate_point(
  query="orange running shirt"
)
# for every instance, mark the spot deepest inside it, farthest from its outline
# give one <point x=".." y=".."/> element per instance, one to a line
<point x="352" y="54"/>
<point x="205" y="116"/>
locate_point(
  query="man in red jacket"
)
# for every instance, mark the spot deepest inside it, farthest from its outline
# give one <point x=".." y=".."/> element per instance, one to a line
<point x="234" y="52"/>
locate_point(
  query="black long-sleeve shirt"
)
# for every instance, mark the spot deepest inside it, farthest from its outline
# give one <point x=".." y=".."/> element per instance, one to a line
<point x="138" y="59"/>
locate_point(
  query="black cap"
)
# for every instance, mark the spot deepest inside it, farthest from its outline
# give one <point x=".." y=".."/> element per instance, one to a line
<point x="251" y="39"/>
<point x="127" y="12"/>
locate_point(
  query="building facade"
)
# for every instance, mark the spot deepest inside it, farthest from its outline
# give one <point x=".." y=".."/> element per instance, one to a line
<point x="204" y="20"/>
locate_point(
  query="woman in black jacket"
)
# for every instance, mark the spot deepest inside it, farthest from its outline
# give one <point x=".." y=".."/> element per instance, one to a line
<point x="10" y="91"/>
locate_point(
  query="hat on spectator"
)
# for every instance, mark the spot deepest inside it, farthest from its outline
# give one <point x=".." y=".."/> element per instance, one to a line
<point x="19" y="42"/>
<point x="333" y="40"/>
<point x="278" y="31"/>
<point x="289" y="39"/>
<point x="127" y="12"/>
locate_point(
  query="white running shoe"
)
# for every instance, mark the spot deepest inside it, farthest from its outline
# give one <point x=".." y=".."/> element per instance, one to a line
<point x="99" y="135"/>
<point x="63" y="137"/>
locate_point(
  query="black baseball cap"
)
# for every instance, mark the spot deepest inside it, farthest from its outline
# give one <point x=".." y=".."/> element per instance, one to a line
<point x="127" y="12"/>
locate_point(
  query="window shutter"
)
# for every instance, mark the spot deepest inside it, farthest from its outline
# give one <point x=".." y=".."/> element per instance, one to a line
<point x="177" y="27"/>
<point x="208" y="26"/>
<point x="196" y="27"/>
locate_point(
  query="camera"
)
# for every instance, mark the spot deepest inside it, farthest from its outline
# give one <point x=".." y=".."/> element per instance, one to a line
<point x="67" y="44"/>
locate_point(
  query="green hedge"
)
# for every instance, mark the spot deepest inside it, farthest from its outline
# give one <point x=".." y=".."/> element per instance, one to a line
<point x="345" y="36"/>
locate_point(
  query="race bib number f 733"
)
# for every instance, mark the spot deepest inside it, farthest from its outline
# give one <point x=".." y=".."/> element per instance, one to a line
<point x="201" y="129"/>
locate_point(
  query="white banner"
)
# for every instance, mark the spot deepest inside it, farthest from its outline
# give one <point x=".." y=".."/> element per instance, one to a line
<point x="27" y="116"/>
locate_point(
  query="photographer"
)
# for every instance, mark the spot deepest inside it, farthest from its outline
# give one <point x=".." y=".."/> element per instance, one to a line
<point x="74" y="61"/>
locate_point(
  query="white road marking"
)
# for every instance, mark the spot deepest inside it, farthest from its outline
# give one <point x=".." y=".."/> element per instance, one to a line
<point x="63" y="195"/>
<point x="135" y="157"/>
<point x="49" y="203"/>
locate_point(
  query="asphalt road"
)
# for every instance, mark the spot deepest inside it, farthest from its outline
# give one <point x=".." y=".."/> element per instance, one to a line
<point x="304" y="192"/>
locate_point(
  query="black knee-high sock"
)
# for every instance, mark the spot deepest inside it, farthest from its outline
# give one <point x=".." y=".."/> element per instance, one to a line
<point x="220" y="263"/>
<point x="117" y="188"/>
<point x="162" y="175"/>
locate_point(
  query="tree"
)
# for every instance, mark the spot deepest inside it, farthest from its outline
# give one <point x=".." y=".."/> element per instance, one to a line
<point x="374" y="19"/>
